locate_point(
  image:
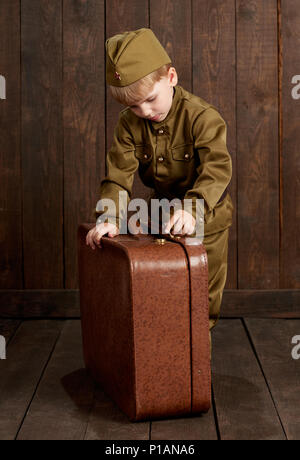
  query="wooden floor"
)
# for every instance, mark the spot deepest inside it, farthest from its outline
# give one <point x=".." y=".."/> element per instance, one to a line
<point x="46" y="394"/>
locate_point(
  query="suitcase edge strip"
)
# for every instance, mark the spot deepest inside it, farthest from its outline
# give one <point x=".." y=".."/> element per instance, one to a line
<point x="199" y="326"/>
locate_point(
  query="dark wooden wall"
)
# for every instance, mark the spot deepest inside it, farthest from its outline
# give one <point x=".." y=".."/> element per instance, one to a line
<point x="57" y="120"/>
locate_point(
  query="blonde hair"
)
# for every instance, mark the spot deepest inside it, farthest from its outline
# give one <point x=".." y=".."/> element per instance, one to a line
<point x="128" y="95"/>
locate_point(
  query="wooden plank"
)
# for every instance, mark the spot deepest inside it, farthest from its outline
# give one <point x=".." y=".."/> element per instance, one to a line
<point x="244" y="407"/>
<point x="64" y="303"/>
<point x="11" y="273"/>
<point x="107" y="422"/>
<point x="123" y="15"/>
<point x="290" y="58"/>
<point x="214" y="80"/>
<point x="29" y="303"/>
<point x="42" y="160"/>
<point x="26" y="357"/>
<point x="201" y="427"/>
<point x="83" y="119"/>
<point x="8" y="327"/>
<point x="74" y="409"/>
<point x="60" y="407"/>
<point x="273" y="344"/>
<point x="257" y="144"/>
<point x="277" y="303"/>
<point x="167" y="18"/>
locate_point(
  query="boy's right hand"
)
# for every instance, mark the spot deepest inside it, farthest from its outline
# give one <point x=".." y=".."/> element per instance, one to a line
<point x="95" y="234"/>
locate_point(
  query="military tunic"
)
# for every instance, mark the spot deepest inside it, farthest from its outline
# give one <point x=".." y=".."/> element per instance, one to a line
<point x="183" y="156"/>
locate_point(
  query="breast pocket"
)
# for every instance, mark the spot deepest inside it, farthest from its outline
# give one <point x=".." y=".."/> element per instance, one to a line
<point x="143" y="153"/>
<point x="183" y="153"/>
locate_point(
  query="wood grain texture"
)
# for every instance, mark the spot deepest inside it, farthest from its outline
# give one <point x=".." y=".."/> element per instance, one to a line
<point x="42" y="160"/>
<point x="83" y="120"/>
<point x="8" y="327"/>
<point x="26" y="357"/>
<point x="214" y="79"/>
<point x="171" y="21"/>
<point x="65" y="393"/>
<point x="64" y="303"/>
<point x="201" y="427"/>
<point x="123" y="15"/>
<point x="290" y="240"/>
<point x="11" y="270"/>
<point x="45" y="392"/>
<point x="56" y="126"/>
<point x="257" y="145"/>
<point x="244" y="407"/>
<point x="281" y="371"/>
<point x="108" y="422"/>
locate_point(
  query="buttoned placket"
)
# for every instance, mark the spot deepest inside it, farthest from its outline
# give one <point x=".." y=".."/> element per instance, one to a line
<point x="161" y="151"/>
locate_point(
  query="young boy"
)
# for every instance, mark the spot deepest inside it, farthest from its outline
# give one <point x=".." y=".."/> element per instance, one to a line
<point x="178" y="143"/>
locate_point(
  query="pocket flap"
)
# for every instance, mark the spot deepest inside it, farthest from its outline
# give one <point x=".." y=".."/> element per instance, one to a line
<point x="143" y="152"/>
<point x="183" y="152"/>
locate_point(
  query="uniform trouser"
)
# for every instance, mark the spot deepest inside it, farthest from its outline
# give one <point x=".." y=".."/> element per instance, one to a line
<point x="216" y="246"/>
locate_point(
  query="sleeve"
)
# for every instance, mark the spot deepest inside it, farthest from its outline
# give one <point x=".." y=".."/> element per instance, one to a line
<point x="121" y="165"/>
<point x="215" y="166"/>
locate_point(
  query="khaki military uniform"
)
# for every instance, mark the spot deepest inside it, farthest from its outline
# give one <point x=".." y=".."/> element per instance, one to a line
<point x="183" y="156"/>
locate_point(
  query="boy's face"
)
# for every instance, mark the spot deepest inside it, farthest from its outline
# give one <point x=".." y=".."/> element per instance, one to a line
<point x="158" y="101"/>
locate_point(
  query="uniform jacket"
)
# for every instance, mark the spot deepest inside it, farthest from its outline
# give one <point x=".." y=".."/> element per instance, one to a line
<point x="183" y="156"/>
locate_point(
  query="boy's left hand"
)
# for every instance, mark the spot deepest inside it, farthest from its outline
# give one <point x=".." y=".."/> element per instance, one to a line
<point x="182" y="221"/>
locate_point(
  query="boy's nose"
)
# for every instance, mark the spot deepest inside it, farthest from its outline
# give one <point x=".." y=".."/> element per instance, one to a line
<point x="145" y="110"/>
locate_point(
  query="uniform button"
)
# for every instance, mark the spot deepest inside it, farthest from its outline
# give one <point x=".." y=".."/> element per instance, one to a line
<point x="160" y="159"/>
<point x="145" y="156"/>
<point x="186" y="156"/>
<point x="160" y="131"/>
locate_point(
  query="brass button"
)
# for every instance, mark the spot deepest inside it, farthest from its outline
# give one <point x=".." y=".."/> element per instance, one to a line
<point x="145" y="156"/>
<point x="160" y="159"/>
<point x="160" y="131"/>
<point x="186" y="156"/>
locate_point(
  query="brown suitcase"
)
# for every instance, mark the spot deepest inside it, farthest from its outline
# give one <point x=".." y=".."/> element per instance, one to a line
<point x="145" y="329"/>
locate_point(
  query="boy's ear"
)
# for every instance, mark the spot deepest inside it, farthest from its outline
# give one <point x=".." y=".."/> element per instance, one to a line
<point x="173" y="77"/>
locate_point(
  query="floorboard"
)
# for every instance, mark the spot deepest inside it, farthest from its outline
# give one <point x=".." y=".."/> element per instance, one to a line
<point x="8" y="327"/>
<point x="45" y="392"/>
<point x="108" y="422"/>
<point x="245" y="409"/>
<point x="26" y="357"/>
<point x="62" y="403"/>
<point x="273" y="344"/>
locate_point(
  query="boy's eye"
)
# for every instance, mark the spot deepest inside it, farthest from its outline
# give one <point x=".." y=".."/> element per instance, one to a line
<point x="148" y="100"/>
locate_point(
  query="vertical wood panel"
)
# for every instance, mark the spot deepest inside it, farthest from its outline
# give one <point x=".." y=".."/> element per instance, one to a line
<point x="53" y="146"/>
<point x="257" y="144"/>
<point x="10" y="173"/>
<point x="121" y="16"/>
<point x="41" y="33"/>
<point x="214" y="80"/>
<point x="84" y="120"/>
<point x="290" y="26"/>
<point x="170" y="20"/>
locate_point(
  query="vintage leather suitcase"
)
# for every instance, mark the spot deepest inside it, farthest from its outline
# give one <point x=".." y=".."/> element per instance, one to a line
<point x="145" y="329"/>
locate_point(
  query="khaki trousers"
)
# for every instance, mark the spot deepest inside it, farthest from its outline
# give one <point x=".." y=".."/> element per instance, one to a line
<point x="216" y="246"/>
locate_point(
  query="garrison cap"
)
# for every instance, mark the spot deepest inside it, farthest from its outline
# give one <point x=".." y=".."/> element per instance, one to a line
<point x="132" y="55"/>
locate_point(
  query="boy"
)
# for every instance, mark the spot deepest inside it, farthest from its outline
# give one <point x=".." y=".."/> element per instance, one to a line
<point x="178" y="143"/>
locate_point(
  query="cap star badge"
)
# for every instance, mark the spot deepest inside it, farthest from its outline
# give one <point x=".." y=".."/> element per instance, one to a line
<point x="117" y="76"/>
